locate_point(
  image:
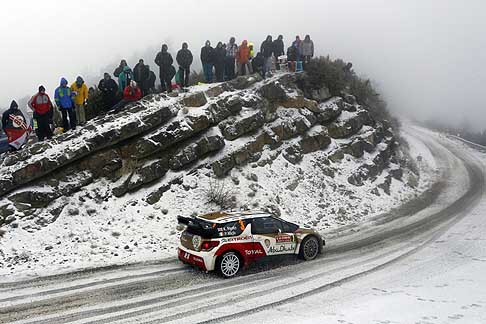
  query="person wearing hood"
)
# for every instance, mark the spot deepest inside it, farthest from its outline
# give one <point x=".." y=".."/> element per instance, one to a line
<point x="80" y="93"/>
<point x="119" y="69"/>
<point x="164" y="61"/>
<point x="278" y="47"/>
<point x="141" y="75"/>
<point x="64" y="100"/>
<point x="41" y="104"/>
<point x="243" y="57"/>
<point x="151" y="81"/>
<point x="109" y="89"/>
<point x="267" y="50"/>
<point x="231" y="52"/>
<point x="184" y="58"/>
<point x="219" y="61"/>
<point x="257" y="64"/>
<point x="124" y="78"/>
<point x="15" y="127"/>
<point x="207" y="60"/>
<point x="307" y="48"/>
<point x="297" y="45"/>
<point x="131" y="94"/>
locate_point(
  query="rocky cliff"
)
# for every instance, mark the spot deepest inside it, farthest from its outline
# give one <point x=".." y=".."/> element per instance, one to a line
<point x="212" y="129"/>
<point x="110" y="192"/>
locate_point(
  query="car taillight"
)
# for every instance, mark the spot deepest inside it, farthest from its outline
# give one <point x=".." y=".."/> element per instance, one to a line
<point x="208" y="245"/>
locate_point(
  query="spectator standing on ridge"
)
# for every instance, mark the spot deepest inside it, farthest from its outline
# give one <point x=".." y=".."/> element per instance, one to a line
<point x="231" y="52"/>
<point x="41" y="104"/>
<point x="151" y="80"/>
<point x="109" y="89"/>
<point x="207" y="59"/>
<point x="267" y="50"/>
<point x="125" y="78"/>
<point x="184" y="58"/>
<point x="64" y="100"/>
<point x="348" y="72"/>
<point x="15" y="126"/>
<point x="80" y="93"/>
<point x="119" y="69"/>
<point x="257" y="64"/>
<point x="219" y="62"/>
<point x="291" y="58"/>
<point x="164" y="61"/>
<point x="243" y="57"/>
<point x="297" y="44"/>
<point x="278" y="47"/>
<point x="307" y="49"/>
<point x="131" y="93"/>
<point x="141" y="75"/>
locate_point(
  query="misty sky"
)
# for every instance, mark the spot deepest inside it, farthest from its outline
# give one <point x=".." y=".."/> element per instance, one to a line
<point x="427" y="56"/>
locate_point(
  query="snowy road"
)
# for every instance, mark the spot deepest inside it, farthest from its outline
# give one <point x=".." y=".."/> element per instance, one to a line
<point x="424" y="263"/>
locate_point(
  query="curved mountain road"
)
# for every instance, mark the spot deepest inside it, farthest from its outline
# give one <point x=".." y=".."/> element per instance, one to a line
<point x="170" y="292"/>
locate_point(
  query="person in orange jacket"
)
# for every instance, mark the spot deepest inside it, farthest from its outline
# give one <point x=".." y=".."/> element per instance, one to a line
<point x="243" y="58"/>
<point x="131" y="93"/>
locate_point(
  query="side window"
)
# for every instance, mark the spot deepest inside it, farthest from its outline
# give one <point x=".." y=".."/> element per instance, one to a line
<point x="266" y="225"/>
<point x="231" y="229"/>
<point x="289" y="227"/>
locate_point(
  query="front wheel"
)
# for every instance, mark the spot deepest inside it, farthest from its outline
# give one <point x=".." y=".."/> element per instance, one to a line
<point x="309" y="248"/>
<point x="229" y="264"/>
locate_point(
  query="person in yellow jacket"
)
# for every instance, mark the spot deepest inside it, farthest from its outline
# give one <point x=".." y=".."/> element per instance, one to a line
<point x="80" y="95"/>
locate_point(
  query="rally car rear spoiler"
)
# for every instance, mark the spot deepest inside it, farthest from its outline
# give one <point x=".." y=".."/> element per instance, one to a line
<point x="198" y="226"/>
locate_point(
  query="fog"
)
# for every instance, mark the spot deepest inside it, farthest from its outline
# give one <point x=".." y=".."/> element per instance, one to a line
<point x="427" y="57"/>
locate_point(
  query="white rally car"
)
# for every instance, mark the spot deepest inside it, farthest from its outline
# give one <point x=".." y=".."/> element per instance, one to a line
<point x="227" y="242"/>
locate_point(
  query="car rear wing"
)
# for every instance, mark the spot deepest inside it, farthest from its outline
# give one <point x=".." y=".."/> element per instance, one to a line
<point x="198" y="226"/>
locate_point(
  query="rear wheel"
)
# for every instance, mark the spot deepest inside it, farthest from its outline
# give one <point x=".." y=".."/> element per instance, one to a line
<point x="309" y="249"/>
<point x="229" y="264"/>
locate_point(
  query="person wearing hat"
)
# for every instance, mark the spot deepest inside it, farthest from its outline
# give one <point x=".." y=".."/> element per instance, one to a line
<point x="109" y="89"/>
<point x="164" y="60"/>
<point x="41" y="104"/>
<point x="184" y="58"/>
<point x="131" y="93"/>
<point x="80" y="92"/>
<point x="64" y="100"/>
<point x="15" y="126"/>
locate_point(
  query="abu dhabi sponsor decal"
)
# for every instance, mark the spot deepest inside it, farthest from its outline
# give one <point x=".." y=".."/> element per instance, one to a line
<point x="282" y="248"/>
<point x="254" y="252"/>
<point x="237" y="239"/>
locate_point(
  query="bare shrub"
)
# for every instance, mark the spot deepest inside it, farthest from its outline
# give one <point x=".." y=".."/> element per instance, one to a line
<point x="220" y="193"/>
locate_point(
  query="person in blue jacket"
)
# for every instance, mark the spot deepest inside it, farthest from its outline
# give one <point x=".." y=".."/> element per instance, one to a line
<point x="64" y="100"/>
<point x="125" y="78"/>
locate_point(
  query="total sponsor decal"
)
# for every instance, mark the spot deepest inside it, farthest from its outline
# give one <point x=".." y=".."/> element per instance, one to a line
<point x="254" y="252"/>
<point x="237" y="239"/>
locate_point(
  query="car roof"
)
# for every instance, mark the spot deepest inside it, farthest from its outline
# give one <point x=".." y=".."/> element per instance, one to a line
<point x="224" y="217"/>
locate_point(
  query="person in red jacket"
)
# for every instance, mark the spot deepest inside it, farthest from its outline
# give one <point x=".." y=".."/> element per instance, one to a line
<point x="42" y="106"/>
<point x="131" y="93"/>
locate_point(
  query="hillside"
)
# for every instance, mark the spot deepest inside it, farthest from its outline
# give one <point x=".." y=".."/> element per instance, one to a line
<point x="110" y="192"/>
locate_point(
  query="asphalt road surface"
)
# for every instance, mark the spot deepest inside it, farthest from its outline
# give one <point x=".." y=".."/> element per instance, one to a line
<point x="359" y="264"/>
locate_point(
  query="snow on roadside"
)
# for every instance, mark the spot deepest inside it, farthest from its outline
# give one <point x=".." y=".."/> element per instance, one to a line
<point x="98" y="230"/>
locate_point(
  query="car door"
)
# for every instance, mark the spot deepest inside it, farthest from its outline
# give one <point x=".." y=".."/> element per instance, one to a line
<point x="268" y="232"/>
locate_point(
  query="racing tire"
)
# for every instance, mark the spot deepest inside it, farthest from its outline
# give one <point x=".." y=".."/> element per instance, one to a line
<point x="229" y="264"/>
<point x="309" y="249"/>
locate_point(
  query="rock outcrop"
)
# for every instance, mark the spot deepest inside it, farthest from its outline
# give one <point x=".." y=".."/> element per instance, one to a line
<point x="154" y="143"/>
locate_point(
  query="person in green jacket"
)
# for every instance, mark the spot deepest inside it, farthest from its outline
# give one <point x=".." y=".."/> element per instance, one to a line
<point x="124" y="78"/>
